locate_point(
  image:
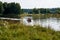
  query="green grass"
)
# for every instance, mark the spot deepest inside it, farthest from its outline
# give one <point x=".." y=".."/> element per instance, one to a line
<point x="18" y="31"/>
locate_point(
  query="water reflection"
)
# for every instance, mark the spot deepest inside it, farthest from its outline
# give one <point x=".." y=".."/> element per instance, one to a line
<point x="53" y="23"/>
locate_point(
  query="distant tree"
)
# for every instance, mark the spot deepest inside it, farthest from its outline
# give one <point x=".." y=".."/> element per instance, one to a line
<point x="18" y="8"/>
<point x="47" y="10"/>
<point x="58" y="10"/>
<point x="5" y="7"/>
<point x="21" y="11"/>
<point x="1" y="8"/>
<point x="42" y="10"/>
<point x="35" y="11"/>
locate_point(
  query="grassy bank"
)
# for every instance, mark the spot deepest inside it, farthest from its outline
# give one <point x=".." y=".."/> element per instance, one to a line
<point x="36" y="16"/>
<point x="18" y="31"/>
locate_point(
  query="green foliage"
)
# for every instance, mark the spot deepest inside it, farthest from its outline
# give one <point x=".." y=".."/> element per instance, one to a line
<point x="5" y="5"/>
<point x="13" y="8"/>
<point x="1" y="8"/>
<point x="10" y="9"/>
<point x="35" y="11"/>
<point x="18" y="31"/>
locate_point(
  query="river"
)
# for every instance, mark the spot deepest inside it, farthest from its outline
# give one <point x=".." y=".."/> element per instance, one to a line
<point x="52" y="23"/>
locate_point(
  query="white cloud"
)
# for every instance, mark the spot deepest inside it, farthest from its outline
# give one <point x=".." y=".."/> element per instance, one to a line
<point x="36" y="3"/>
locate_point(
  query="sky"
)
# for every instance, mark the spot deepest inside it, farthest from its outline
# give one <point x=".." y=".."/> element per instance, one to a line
<point x="29" y="4"/>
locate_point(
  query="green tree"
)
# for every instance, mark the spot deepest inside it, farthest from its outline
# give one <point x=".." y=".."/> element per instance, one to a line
<point x="58" y="10"/>
<point x="42" y="10"/>
<point x="13" y="9"/>
<point x="5" y="5"/>
<point x="1" y="8"/>
<point x="18" y="8"/>
<point x="35" y="11"/>
<point x="5" y="8"/>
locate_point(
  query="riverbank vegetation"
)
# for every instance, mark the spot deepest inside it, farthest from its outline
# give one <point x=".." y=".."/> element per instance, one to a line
<point x="10" y="30"/>
<point x="14" y="10"/>
<point x="41" y="16"/>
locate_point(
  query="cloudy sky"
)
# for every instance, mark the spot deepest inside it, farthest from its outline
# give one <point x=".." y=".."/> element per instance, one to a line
<point x="36" y="3"/>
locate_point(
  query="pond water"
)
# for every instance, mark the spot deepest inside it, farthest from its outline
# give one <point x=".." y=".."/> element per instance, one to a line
<point x="52" y="23"/>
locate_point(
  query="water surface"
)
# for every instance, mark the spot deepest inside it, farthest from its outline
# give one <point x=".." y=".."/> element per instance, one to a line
<point x="52" y="23"/>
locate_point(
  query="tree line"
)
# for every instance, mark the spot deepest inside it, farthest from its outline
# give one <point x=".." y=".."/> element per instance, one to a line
<point x="42" y="11"/>
<point x="46" y="10"/>
<point x="14" y="10"/>
<point x="10" y="9"/>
